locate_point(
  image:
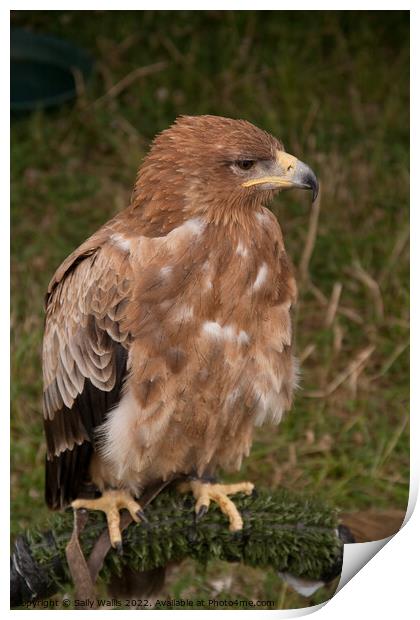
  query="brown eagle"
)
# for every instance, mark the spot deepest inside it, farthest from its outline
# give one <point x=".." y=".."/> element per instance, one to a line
<point x="168" y="333"/>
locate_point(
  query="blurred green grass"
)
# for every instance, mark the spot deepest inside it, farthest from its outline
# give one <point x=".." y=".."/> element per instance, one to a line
<point x="334" y="86"/>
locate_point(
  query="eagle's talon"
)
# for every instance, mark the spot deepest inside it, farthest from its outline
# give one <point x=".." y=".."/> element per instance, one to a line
<point x="201" y="512"/>
<point x="205" y="492"/>
<point x="141" y="515"/>
<point x="111" y="502"/>
<point x="118" y="546"/>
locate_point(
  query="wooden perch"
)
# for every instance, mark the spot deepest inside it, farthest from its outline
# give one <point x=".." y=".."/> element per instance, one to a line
<point x="294" y="534"/>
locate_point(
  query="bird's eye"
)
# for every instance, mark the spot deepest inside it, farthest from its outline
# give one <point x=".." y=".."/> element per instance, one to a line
<point x="245" y="164"/>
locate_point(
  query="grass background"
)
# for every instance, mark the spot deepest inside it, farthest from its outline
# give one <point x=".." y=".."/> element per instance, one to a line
<point x="334" y="86"/>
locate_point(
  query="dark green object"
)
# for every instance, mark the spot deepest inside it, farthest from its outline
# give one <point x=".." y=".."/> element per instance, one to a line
<point x="42" y="70"/>
<point x="287" y="532"/>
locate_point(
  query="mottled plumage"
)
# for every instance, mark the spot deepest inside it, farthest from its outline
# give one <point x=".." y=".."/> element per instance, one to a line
<point x="168" y="332"/>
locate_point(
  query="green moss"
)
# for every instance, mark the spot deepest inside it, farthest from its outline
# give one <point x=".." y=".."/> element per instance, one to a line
<point x="283" y="531"/>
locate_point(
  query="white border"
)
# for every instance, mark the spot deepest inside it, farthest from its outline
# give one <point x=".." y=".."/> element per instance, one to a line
<point x="387" y="585"/>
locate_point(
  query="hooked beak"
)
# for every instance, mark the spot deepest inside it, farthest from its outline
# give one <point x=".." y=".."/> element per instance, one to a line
<point x="287" y="172"/>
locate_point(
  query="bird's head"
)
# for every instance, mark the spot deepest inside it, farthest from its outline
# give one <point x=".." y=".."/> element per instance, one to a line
<point x="210" y="162"/>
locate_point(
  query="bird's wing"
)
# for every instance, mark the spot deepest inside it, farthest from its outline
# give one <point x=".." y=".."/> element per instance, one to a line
<point x="84" y="358"/>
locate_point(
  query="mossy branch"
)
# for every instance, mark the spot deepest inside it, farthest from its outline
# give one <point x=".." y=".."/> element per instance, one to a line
<point x="289" y="532"/>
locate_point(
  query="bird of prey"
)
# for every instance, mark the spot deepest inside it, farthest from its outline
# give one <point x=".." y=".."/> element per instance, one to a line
<point x="168" y="333"/>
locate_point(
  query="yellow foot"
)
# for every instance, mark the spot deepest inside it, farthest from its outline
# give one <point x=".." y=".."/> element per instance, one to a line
<point x="111" y="502"/>
<point x="205" y="492"/>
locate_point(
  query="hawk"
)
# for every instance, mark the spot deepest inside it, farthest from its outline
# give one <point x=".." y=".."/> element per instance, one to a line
<point x="168" y="333"/>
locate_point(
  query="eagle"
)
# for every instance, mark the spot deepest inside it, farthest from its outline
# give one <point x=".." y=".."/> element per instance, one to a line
<point x="168" y="331"/>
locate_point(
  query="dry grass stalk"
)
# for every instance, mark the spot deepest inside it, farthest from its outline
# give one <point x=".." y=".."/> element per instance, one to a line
<point x="310" y="437"/>
<point x="353" y="381"/>
<point x="398" y="248"/>
<point x="130" y="78"/>
<point x="399" y="349"/>
<point x="106" y="75"/>
<point x="333" y="304"/>
<point x="128" y="42"/>
<point x="324" y="444"/>
<point x="307" y="352"/>
<point x="128" y="129"/>
<point x="174" y="52"/>
<point x="323" y="301"/>
<point x="338" y="337"/>
<point x="350" y="314"/>
<point x="389" y="448"/>
<point x="317" y="293"/>
<point x="310" y="238"/>
<point x="292" y="455"/>
<point x="311" y="117"/>
<point x="372" y="285"/>
<point x="357" y="363"/>
<point x="395" y="321"/>
<point x="79" y="83"/>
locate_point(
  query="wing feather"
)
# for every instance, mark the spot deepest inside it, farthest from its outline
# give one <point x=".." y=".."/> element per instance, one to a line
<point x="84" y="358"/>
